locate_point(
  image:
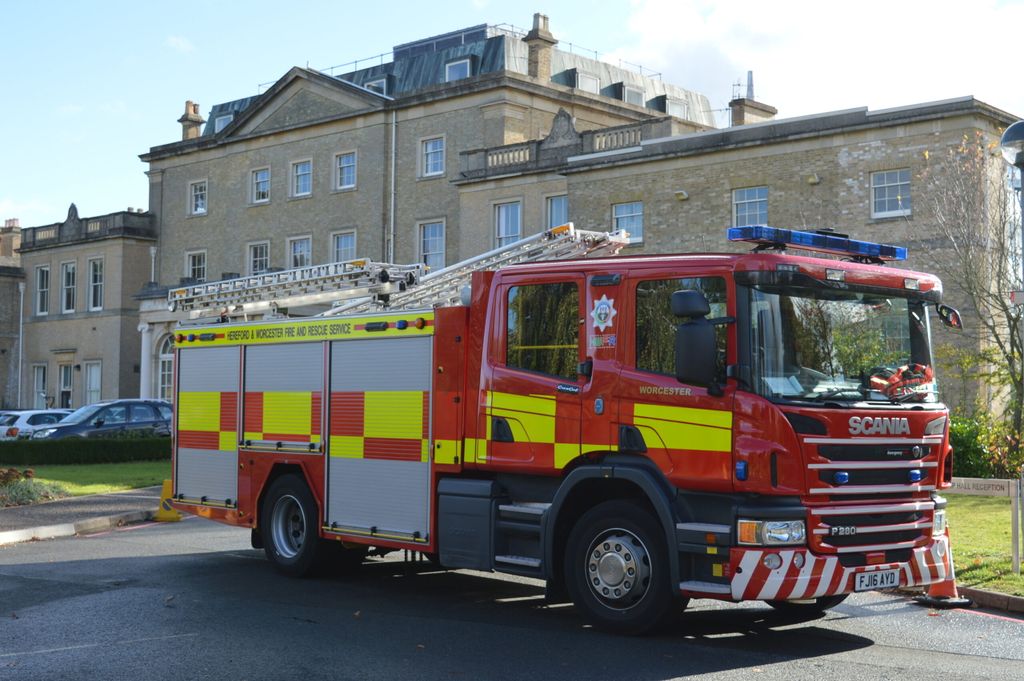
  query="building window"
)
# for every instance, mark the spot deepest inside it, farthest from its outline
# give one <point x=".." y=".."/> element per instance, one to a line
<point x="67" y="287"/>
<point x="380" y="85"/>
<point x="629" y="217"/>
<point x="506" y="223"/>
<point x="456" y="70"/>
<point x="260" y="185"/>
<point x="558" y="210"/>
<point x="302" y="178"/>
<point x="632" y="95"/>
<point x="197" y="198"/>
<point x="259" y="257"/>
<point x="432" y="244"/>
<point x="195" y="265"/>
<point x="43" y="290"/>
<point x="93" y="377"/>
<point x="433" y="156"/>
<point x="542" y="333"/>
<point x="677" y="108"/>
<point x="65" y="372"/>
<point x="39" y="400"/>
<point x="890" y="193"/>
<point x="750" y="206"/>
<point x="344" y="246"/>
<point x="165" y="374"/>
<point x="221" y="122"/>
<point x="96" y="284"/>
<point x="346" y="169"/>
<point x="588" y="83"/>
<point x="300" y="252"/>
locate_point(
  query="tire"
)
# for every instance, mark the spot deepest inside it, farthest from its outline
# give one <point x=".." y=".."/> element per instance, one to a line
<point x="617" y="571"/>
<point x="288" y="525"/>
<point x="815" y="606"/>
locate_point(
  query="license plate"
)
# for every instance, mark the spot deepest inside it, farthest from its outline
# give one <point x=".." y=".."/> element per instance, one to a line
<point x="879" y="579"/>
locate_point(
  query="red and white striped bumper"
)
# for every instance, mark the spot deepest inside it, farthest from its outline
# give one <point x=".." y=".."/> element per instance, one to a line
<point x="823" y="575"/>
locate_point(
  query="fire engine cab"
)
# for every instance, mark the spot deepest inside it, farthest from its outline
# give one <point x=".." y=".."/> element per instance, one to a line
<point x="635" y="431"/>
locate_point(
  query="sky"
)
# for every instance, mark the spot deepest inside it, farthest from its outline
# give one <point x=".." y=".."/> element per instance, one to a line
<point x="87" y="86"/>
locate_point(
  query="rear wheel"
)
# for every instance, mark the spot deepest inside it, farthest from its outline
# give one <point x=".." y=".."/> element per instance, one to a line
<point x="616" y="569"/>
<point x="809" y="606"/>
<point x="289" y="527"/>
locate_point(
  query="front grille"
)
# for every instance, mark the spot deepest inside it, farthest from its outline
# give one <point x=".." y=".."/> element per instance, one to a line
<point x="871" y="528"/>
<point x="885" y="476"/>
<point x="888" y="452"/>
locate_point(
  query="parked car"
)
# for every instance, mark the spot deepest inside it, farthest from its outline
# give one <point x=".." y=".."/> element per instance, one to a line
<point x="22" y="424"/>
<point x="114" y="418"/>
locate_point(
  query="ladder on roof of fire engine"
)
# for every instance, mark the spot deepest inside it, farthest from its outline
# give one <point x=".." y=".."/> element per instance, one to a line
<point x="360" y="285"/>
<point x="445" y="287"/>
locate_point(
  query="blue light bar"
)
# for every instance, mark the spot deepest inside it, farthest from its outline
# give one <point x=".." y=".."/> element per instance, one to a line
<point x="816" y="241"/>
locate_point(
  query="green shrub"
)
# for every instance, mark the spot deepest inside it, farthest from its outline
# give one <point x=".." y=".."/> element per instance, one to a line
<point x="81" y="450"/>
<point x="984" y="448"/>
<point x="967" y="436"/>
<point x="27" y="491"/>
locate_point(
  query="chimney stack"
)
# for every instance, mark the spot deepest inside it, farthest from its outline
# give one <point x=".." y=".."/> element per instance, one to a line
<point x="191" y="121"/>
<point x="746" y="110"/>
<point x="11" y="224"/>
<point x="540" y="41"/>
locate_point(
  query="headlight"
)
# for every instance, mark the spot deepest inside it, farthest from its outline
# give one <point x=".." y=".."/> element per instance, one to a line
<point x="939" y="523"/>
<point x="771" y="532"/>
<point x="45" y="432"/>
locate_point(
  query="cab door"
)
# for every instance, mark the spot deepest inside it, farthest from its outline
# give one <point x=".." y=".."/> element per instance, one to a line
<point x="530" y="410"/>
<point x="685" y="429"/>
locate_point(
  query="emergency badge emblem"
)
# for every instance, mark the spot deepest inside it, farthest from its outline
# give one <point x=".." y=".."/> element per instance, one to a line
<point x="603" y="313"/>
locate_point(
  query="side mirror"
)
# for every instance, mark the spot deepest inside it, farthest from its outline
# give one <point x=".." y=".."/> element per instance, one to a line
<point x="98" y="423"/>
<point x="949" y="316"/>
<point x="695" y="348"/>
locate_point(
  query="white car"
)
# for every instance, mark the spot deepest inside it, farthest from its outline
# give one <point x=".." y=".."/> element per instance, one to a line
<point x="21" y="424"/>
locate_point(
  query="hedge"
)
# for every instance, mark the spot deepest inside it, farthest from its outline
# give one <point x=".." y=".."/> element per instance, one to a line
<point x="82" y="450"/>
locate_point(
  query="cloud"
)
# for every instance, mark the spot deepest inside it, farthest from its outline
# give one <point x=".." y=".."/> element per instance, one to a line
<point x="180" y="43"/>
<point x="815" y="57"/>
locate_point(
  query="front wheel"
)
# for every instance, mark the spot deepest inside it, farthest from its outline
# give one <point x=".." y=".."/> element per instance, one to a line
<point x="616" y="568"/>
<point x="288" y="521"/>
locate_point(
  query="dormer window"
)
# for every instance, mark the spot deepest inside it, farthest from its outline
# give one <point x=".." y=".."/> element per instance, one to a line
<point x="588" y="83"/>
<point x="221" y="122"/>
<point x="457" y="70"/>
<point x="677" y="108"/>
<point x="632" y="95"/>
<point x="379" y="85"/>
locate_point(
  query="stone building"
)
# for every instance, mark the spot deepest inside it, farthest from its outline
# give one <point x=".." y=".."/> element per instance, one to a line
<point x="870" y="174"/>
<point x="865" y="173"/>
<point x="12" y="288"/>
<point x="325" y="167"/>
<point x="81" y="337"/>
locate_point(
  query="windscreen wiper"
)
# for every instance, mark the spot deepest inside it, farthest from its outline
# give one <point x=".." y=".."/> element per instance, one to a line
<point x="835" y="392"/>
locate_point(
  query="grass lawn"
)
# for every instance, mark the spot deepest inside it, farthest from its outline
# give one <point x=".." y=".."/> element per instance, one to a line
<point x="979" y="529"/>
<point x="103" y="477"/>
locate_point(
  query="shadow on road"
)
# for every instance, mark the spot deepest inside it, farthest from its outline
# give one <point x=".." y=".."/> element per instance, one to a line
<point x="391" y="619"/>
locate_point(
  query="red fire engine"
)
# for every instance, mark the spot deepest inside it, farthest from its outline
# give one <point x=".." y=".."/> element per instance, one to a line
<point x="635" y="431"/>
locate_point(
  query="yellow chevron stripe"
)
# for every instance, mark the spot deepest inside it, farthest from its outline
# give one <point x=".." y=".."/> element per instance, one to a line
<point x="718" y="418"/>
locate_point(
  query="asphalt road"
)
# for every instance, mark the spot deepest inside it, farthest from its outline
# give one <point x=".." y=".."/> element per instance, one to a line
<point x="191" y="600"/>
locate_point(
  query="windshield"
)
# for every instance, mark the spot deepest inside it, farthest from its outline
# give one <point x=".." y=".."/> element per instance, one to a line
<point x="81" y="414"/>
<point x="814" y="345"/>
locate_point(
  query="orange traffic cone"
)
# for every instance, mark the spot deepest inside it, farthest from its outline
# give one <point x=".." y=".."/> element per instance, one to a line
<point x="943" y="594"/>
<point x="166" y="513"/>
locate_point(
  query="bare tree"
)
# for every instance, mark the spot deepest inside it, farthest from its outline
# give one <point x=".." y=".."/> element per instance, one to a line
<point x="979" y="259"/>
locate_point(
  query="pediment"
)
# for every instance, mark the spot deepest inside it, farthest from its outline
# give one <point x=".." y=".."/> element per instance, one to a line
<point x="301" y="101"/>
